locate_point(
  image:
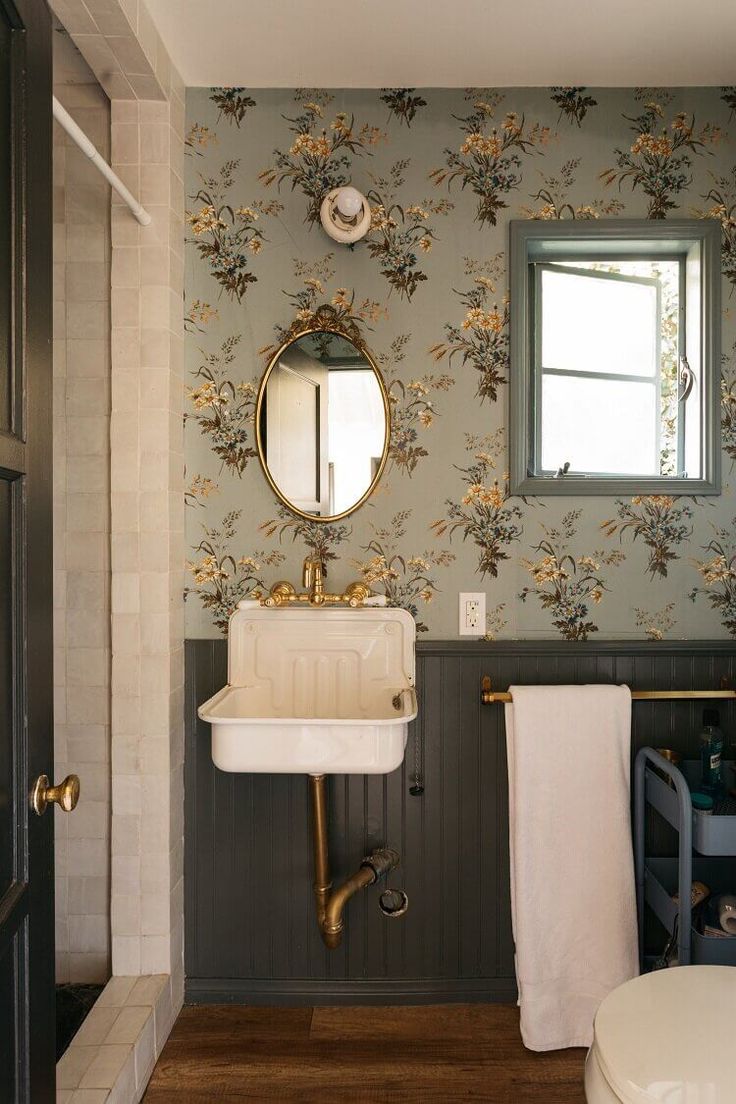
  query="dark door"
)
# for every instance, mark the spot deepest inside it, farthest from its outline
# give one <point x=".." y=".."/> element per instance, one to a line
<point x="27" y="1037"/>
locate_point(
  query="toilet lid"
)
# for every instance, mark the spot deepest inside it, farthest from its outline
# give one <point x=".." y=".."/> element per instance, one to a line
<point x="667" y="1037"/>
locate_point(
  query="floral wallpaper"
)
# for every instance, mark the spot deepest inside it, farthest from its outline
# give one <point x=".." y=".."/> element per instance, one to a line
<point x="426" y="291"/>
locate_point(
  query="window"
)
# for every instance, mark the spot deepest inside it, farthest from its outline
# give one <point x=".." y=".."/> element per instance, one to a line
<point x="614" y="357"/>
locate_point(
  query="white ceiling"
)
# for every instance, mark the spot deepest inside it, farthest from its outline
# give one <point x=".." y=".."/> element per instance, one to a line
<point x="449" y="43"/>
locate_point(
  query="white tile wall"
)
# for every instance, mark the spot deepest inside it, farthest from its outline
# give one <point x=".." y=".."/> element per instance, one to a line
<point x="133" y="528"/>
<point x="82" y="244"/>
<point x="147" y="524"/>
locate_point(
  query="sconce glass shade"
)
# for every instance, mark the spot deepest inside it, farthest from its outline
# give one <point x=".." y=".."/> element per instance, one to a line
<point x="349" y="202"/>
<point x="345" y="214"/>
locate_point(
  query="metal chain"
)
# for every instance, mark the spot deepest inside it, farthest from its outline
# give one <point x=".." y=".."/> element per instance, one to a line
<point x="417" y="787"/>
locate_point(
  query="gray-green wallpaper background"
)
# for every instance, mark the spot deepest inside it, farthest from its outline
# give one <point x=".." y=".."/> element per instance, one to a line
<point x="444" y="169"/>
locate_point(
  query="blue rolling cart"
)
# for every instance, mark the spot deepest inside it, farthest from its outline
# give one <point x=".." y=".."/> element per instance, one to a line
<point x="706" y="852"/>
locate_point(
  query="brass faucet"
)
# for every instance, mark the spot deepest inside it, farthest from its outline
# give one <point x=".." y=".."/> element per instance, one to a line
<point x="313" y="580"/>
<point x="314" y="593"/>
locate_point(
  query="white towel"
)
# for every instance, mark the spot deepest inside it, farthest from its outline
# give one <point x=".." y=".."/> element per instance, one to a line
<point x="573" y="901"/>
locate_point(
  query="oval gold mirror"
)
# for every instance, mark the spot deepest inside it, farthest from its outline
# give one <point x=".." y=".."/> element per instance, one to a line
<point x="322" y="424"/>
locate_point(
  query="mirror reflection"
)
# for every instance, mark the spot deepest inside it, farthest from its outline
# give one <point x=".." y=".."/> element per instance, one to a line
<point x="322" y="424"/>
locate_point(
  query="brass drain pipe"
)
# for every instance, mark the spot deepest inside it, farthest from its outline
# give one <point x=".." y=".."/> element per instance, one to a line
<point x="331" y="903"/>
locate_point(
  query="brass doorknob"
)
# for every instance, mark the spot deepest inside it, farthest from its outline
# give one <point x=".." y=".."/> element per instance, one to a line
<point x="66" y="794"/>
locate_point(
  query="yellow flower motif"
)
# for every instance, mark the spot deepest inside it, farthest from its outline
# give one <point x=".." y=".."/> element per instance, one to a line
<point x="511" y="123"/>
<point x="479" y="319"/>
<point x="255" y="245"/>
<point x="377" y="570"/>
<point x="206" y="395"/>
<point x="207" y="571"/>
<point x="474" y="489"/>
<point x="199" y="135"/>
<point x="306" y="143"/>
<point x="340" y="298"/>
<point x="371" y="310"/>
<point x="486" y="282"/>
<point x="650" y="145"/>
<point x="549" y="211"/>
<point x="588" y="563"/>
<point x="486" y="458"/>
<point x="246" y="388"/>
<point x="371" y="135"/>
<point x="585" y="211"/>
<point x="340" y="123"/>
<point x="425" y="244"/>
<point x="426" y="418"/>
<point x="596" y="595"/>
<point x="546" y="571"/>
<point x="493" y="496"/>
<point x="202" y="312"/>
<point x="417" y="212"/>
<point x="202" y="487"/>
<point x="315" y="285"/>
<point x="482" y="145"/>
<point x="716" y="570"/>
<point x="418" y="563"/>
<point x="418" y="388"/>
<point x="247" y="213"/>
<point x="426" y="595"/>
<point x="314" y="108"/>
<point x="205" y="221"/>
<point x="380" y="220"/>
<point x="304" y="314"/>
<point x="248" y="563"/>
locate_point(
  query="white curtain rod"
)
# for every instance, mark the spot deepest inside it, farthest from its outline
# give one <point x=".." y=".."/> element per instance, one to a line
<point x="78" y="136"/>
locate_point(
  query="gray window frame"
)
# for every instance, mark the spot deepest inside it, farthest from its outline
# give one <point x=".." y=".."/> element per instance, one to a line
<point x="698" y="243"/>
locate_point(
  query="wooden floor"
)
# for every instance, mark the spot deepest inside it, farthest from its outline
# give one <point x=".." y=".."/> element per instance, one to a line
<point x="226" y="1054"/>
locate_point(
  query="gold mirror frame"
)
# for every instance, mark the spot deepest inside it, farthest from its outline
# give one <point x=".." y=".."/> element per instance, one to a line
<point x="322" y="324"/>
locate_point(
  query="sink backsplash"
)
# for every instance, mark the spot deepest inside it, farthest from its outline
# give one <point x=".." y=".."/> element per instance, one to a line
<point x="427" y="290"/>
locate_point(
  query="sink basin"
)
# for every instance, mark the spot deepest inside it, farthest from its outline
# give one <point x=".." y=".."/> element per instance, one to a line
<point x="315" y="691"/>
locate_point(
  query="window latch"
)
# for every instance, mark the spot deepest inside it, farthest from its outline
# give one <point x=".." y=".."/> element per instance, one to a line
<point x="562" y="472"/>
<point x="687" y="379"/>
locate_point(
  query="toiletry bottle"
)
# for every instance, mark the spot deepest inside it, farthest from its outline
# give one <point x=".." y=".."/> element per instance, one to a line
<point x="711" y="751"/>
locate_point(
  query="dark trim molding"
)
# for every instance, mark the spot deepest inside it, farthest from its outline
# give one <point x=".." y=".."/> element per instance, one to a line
<point x="295" y="993"/>
<point x="559" y="647"/>
<point x="553" y="646"/>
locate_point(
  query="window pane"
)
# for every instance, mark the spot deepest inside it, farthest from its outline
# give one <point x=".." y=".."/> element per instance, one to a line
<point x="357" y="432"/>
<point x="598" y="324"/>
<point x="599" y="425"/>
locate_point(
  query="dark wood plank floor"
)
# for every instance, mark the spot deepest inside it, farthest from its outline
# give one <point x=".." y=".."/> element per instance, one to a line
<point x="227" y="1054"/>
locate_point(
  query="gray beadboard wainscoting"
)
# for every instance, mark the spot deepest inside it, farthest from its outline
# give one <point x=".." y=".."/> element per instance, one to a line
<point x="251" y="934"/>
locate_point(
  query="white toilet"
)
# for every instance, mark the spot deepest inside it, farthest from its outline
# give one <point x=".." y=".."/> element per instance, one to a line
<point x="666" y="1037"/>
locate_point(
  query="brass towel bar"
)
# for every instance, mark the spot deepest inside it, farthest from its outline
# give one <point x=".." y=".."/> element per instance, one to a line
<point x="490" y="697"/>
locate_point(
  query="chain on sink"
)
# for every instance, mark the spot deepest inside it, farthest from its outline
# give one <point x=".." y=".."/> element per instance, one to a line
<point x="417" y="787"/>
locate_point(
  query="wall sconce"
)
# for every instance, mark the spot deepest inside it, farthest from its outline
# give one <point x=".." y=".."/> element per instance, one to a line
<point x="345" y="214"/>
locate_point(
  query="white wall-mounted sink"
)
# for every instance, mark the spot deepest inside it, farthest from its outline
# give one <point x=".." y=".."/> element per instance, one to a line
<point x="315" y="691"/>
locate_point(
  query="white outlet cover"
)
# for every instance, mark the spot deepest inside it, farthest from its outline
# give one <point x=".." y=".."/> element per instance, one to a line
<point x="465" y="627"/>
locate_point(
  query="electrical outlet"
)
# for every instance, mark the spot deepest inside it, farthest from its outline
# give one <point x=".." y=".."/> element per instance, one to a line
<point x="472" y="613"/>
